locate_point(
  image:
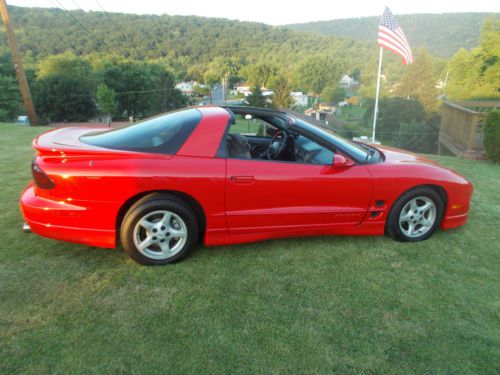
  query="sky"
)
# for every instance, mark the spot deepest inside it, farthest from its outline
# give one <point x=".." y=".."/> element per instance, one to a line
<point x="269" y="11"/>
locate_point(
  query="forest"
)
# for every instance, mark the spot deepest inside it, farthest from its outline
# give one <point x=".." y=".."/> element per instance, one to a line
<point x="442" y="34"/>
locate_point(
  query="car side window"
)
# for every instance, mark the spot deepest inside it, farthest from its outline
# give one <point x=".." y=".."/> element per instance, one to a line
<point x="163" y="134"/>
<point x="251" y="126"/>
<point x="254" y="138"/>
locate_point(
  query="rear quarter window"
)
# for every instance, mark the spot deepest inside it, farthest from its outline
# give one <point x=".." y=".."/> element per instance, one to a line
<point x="163" y="134"/>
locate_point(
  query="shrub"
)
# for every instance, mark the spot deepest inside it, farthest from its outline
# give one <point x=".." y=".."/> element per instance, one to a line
<point x="419" y="137"/>
<point x="392" y="112"/>
<point x="492" y="136"/>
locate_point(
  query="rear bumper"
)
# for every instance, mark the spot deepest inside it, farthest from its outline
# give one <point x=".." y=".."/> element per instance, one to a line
<point x="62" y="221"/>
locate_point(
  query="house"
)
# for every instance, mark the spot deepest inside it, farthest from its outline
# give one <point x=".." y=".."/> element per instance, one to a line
<point x="348" y="82"/>
<point x="301" y="99"/>
<point x="187" y="88"/>
<point x="242" y="88"/>
<point x="318" y="114"/>
<point x="246" y="90"/>
<point x="327" y="107"/>
<point x="266" y="92"/>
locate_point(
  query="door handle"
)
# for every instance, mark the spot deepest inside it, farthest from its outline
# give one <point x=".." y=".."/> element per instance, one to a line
<point x="242" y="179"/>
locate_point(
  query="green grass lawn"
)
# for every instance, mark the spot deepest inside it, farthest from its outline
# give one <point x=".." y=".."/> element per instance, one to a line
<point x="345" y="305"/>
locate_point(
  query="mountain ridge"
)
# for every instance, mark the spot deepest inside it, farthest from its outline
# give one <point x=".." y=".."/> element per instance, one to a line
<point x="443" y="34"/>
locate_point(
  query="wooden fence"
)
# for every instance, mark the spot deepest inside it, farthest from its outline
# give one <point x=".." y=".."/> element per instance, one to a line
<point x="461" y="129"/>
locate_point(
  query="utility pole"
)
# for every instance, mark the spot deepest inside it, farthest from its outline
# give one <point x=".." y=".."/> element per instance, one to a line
<point x="16" y="58"/>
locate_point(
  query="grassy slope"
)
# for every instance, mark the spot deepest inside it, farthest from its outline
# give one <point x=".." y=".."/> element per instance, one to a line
<point x="345" y="304"/>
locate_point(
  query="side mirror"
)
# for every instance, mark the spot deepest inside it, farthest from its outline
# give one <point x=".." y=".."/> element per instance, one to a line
<point x="340" y="161"/>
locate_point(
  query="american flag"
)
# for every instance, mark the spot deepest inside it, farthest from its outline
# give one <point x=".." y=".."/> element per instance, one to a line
<point x="392" y="37"/>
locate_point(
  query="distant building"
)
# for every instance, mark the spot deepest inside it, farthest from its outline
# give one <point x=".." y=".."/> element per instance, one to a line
<point x="318" y="114"/>
<point x="348" y="82"/>
<point x="245" y="89"/>
<point x="242" y="88"/>
<point x="187" y="88"/>
<point x="301" y="99"/>
<point x="327" y="107"/>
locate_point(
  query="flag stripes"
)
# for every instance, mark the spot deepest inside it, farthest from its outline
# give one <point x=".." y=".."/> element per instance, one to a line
<point x="392" y="37"/>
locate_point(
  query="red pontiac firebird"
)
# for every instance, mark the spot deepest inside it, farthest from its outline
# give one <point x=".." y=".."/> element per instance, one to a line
<point x="230" y="175"/>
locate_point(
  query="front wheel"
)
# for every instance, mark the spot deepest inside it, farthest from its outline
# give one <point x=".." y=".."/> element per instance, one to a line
<point x="159" y="230"/>
<point x="416" y="215"/>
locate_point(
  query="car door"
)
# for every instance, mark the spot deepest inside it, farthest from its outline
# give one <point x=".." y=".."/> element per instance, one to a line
<point x="266" y="196"/>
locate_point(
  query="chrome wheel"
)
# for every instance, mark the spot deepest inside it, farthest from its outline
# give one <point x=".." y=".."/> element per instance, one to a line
<point x="417" y="217"/>
<point x="160" y="234"/>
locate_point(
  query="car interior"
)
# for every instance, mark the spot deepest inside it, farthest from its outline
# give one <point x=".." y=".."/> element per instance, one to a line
<point x="267" y="137"/>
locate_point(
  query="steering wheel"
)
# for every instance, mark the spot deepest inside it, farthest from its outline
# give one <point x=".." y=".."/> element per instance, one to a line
<point x="277" y="145"/>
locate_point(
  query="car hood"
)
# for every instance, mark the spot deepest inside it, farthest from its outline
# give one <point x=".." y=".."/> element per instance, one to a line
<point x="395" y="155"/>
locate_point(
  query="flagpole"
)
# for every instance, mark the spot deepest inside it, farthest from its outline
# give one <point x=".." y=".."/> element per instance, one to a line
<point x="376" y="95"/>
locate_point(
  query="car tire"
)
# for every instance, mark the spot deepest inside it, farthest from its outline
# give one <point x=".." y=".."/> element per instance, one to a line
<point x="159" y="229"/>
<point x="415" y="215"/>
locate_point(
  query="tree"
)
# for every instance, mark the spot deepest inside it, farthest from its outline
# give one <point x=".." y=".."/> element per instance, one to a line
<point x="64" y="88"/>
<point x="256" y="99"/>
<point x="167" y="97"/>
<point x="260" y="74"/>
<point x="419" y="81"/>
<point x="316" y="73"/>
<point x="142" y="89"/>
<point x="106" y="100"/>
<point x="282" y="97"/>
<point x="200" y="90"/>
<point x="10" y="97"/>
<point x="474" y="74"/>
<point x="419" y="136"/>
<point x="392" y="71"/>
<point x="356" y="74"/>
<point x="392" y="113"/>
<point x="211" y="77"/>
<point x="333" y="94"/>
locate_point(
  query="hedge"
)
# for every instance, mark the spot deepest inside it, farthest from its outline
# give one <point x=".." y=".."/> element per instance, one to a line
<point x="492" y="136"/>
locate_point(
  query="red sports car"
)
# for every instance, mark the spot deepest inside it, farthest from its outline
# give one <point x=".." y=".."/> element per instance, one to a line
<point x="230" y="175"/>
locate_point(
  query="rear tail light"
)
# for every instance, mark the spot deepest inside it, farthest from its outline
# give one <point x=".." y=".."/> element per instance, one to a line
<point x="41" y="179"/>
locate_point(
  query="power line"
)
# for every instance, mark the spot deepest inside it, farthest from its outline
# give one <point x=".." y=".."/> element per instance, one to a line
<point x="116" y="93"/>
<point x="92" y="36"/>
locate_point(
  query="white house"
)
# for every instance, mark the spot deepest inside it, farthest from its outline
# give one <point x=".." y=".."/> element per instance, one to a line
<point x="243" y="88"/>
<point x="246" y="90"/>
<point x="187" y="88"/>
<point x="348" y="82"/>
<point x="301" y="99"/>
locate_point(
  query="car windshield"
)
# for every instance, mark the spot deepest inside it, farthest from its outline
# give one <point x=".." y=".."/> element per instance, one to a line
<point x="356" y="151"/>
<point x="163" y="134"/>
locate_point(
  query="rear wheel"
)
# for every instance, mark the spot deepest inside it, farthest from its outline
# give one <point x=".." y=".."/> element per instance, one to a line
<point x="159" y="230"/>
<point x="416" y="215"/>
